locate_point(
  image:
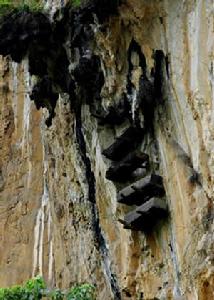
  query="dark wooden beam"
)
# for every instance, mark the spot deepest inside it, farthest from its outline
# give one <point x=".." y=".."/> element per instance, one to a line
<point x="125" y="143"/>
<point x="152" y="204"/>
<point x="144" y="218"/>
<point x="121" y="171"/>
<point x="142" y="190"/>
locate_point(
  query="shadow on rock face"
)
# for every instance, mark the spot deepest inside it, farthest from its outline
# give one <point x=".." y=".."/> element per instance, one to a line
<point x="43" y="95"/>
<point x="105" y="8"/>
<point x="91" y="12"/>
<point x="114" y="114"/>
<point x="21" y="28"/>
<point x="89" y="76"/>
<point x="24" y="33"/>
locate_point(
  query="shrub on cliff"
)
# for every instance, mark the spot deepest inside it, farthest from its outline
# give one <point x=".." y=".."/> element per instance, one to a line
<point x="7" y="6"/>
<point x="81" y="292"/>
<point x="76" y="2"/>
<point x="32" y="289"/>
<point x="35" y="289"/>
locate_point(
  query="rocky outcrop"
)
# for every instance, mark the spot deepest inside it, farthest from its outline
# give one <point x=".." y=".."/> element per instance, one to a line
<point x="102" y="69"/>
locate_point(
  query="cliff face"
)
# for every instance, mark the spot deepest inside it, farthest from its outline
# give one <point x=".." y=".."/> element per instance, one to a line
<point x="59" y="213"/>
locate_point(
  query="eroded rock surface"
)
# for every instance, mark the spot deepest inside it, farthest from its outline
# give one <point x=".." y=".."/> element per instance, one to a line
<point x="145" y="64"/>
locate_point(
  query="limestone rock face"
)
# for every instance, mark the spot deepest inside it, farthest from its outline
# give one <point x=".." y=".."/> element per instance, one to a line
<point x="59" y="213"/>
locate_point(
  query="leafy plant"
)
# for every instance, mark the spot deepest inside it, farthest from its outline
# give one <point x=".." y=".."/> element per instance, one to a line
<point x="7" y="6"/>
<point x="55" y="295"/>
<point x="33" y="5"/>
<point x="76" y="3"/>
<point x="82" y="292"/>
<point x="32" y="289"/>
<point x="35" y="289"/>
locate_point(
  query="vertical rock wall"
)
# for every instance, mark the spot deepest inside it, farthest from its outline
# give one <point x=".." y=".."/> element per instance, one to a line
<point x="21" y="165"/>
<point x="47" y="224"/>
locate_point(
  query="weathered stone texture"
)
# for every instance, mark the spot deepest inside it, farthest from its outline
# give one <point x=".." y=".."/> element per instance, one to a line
<point x="46" y="223"/>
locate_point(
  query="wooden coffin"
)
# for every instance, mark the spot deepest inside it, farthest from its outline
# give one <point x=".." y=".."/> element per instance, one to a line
<point x="142" y="190"/>
<point x="124" y="144"/>
<point x="146" y="216"/>
<point x="122" y="170"/>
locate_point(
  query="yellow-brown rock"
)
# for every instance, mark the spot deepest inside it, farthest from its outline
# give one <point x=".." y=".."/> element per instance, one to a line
<point x="46" y="224"/>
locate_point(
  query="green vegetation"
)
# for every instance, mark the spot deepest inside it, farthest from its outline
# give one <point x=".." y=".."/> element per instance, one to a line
<point x="32" y="289"/>
<point x="7" y="6"/>
<point x="76" y="3"/>
<point x="35" y="289"/>
<point x="82" y="292"/>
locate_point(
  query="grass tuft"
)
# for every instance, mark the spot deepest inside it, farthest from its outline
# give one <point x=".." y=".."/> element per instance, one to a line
<point x="8" y="6"/>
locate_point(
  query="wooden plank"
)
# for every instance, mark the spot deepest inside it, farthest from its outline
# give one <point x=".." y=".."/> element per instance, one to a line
<point x="122" y="170"/>
<point x="142" y="190"/>
<point x="131" y="218"/>
<point x="154" y="203"/>
<point x="144" y="218"/>
<point x="125" y="143"/>
<point x="133" y="221"/>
